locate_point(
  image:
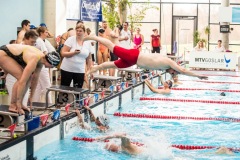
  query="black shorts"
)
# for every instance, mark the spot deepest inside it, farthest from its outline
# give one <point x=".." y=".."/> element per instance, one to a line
<point x="93" y="59"/>
<point x="113" y="57"/>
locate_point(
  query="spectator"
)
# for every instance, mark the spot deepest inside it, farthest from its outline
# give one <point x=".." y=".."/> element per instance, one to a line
<point x="50" y="35"/>
<point x="125" y="37"/>
<point x="219" y="47"/>
<point x="155" y="42"/>
<point x="114" y="36"/>
<point x="25" y="27"/>
<point x="200" y="46"/>
<point x="76" y="53"/>
<point x="102" y="54"/>
<point x="138" y="40"/>
<point x="44" y="77"/>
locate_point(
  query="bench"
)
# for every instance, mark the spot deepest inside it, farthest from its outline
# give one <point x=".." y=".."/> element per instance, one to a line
<point x="66" y="94"/>
<point x="102" y="81"/>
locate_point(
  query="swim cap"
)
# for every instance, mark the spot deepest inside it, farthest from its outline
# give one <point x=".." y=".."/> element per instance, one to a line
<point x="53" y="58"/>
<point x="43" y="25"/>
<point x="169" y="83"/>
<point x="101" y="30"/>
<point x="104" y="120"/>
<point x="223" y="94"/>
<point x="33" y="27"/>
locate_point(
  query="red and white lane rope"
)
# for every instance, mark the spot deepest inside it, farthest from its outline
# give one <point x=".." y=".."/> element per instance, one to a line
<point x="221" y="75"/>
<point x="214" y="82"/>
<point x="187" y="100"/>
<point x="209" y="89"/>
<point x="179" y="146"/>
<point x="153" y="116"/>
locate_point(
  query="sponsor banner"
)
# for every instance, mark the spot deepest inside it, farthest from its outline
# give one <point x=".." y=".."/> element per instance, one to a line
<point x="91" y="10"/>
<point x="46" y="137"/>
<point x="126" y="97"/>
<point x="112" y="105"/>
<point x="17" y="151"/>
<point x="216" y="60"/>
<point x="70" y="125"/>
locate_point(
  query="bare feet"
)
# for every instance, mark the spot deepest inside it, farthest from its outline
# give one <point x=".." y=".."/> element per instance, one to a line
<point x="13" y="108"/>
<point x="93" y="69"/>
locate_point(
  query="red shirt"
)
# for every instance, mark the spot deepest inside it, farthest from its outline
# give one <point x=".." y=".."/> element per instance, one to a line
<point x="156" y="40"/>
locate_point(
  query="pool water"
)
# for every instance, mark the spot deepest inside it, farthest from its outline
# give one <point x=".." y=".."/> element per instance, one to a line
<point x="159" y="134"/>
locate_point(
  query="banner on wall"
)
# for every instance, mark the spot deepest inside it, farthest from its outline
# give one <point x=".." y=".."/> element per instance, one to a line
<point x="235" y="14"/>
<point x="91" y="10"/>
<point x="215" y="60"/>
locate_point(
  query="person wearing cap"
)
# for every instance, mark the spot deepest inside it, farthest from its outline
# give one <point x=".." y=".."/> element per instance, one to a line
<point x="30" y="38"/>
<point x="176" y="81"/>
<point x="24" y="63"/>
<point x="50" y="35"/>
<point x="126" y="145"/>
<point x="25" y="27"/>
<point x="166" y="86"/>
<point x="33" y="27"/>
<point x="101" y="121"/>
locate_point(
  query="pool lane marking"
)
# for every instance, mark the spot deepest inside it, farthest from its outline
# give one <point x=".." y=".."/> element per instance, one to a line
<point x="209" y="89"/>
<point x="153" y="116"/>
<point x="206" y="81"/>
<point x="188" y="100"/>
<point x="179" y="146"/>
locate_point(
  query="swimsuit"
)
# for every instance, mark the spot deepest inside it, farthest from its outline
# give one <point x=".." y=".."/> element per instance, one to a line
<point x="128" y="57"/>
<point x="18" y="58"/>
<point x="137" y="41"/>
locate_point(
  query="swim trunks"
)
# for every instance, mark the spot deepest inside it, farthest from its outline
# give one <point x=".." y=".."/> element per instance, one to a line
<point x="18" y="58"/>
<point x="128" y="57"/>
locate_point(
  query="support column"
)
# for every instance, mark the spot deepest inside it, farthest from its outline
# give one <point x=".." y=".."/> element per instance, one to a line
<point x="225" y="36"/>
<point x="54" y="16"/>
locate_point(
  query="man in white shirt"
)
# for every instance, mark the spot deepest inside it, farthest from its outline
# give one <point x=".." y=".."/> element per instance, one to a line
<point x="125" y="37"/>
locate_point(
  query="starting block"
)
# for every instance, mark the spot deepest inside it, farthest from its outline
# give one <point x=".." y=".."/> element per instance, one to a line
<point x="8" y="118"/>
<point x="66" y="94"/>
<point x="131" y="74"/>
<point x="174" y="58"/>
<point x="103" y="82"/>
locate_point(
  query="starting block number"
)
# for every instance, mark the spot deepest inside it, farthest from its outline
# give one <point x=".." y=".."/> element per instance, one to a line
<point x="104" y="83"/>
<point x="130" y="75"/>
<point x="65" y="97"/>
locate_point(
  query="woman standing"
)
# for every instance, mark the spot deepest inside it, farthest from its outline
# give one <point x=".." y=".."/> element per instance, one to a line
<point x="102" y="55"/>
<point x="155" y="41"/>
<point x="76" y="53"/>
<point x="138" y="40"/>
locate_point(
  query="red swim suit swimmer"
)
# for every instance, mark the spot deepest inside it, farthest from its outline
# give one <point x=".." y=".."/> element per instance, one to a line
<point x="128" y="57"/>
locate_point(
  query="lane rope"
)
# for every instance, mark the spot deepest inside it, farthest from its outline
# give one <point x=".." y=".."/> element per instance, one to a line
<point x="179" y="146"/>
<point x="209" y="89"/>
<point x="152" y="116"/>
<point x="214" y="82"/>
<point x="188" y="100"/>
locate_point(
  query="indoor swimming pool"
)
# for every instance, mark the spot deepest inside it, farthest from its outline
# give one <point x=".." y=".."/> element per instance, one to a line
<point x="158" y="134"/>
